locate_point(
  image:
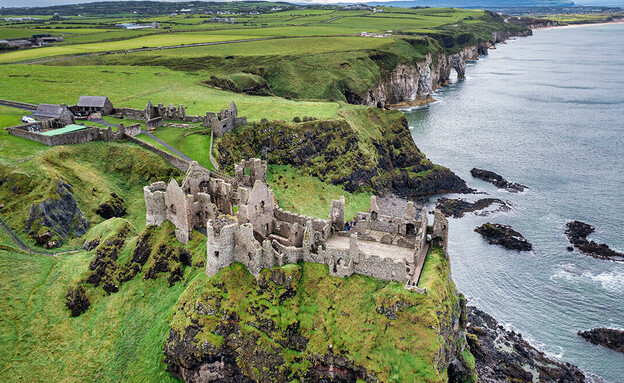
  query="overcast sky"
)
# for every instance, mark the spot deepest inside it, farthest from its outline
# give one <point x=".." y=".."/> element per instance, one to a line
<point x="40" y="3"/>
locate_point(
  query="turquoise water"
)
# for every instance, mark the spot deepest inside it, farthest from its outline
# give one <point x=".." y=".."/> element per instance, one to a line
<point x="545" y="111"/>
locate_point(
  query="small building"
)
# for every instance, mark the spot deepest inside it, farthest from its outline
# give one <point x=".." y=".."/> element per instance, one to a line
<point x="94" y="104"/>
<point x="49" y="111"/>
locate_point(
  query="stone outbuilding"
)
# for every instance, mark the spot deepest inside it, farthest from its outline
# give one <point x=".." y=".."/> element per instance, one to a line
<point x="49" y="111"/>
<point x="94" y="104"/>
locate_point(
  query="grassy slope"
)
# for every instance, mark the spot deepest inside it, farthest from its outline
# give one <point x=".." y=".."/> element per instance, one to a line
<point x="304" y="194"/>
<point x="396" y="350"/>
<point x="121" y="336"/>
<point x="88" y="168"/>
<point x="40" y="83"/>
<point x="118" y="339"/>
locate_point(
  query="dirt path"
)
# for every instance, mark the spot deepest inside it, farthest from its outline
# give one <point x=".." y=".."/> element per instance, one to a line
<point x="24" y="247"/>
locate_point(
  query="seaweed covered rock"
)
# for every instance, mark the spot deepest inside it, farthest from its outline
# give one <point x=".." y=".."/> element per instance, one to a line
<point x="607" y="337"/>
<point x="504" y="356"/>
<point x="384" y="159"/>
<point x="77" y="300"/>
<point x="505" y="236"/>
<point x="577" y="233"/>
<point x="497" y="180"/>
<point x="451" y="207"/>
<point x="115" y="206"/>
<point x="56" y="218"/>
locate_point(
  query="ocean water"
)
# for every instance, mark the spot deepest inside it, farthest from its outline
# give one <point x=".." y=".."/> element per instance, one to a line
<point x="545" y="111"/>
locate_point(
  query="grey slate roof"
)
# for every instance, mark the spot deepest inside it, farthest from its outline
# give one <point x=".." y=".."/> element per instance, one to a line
<point x="49" y="110"/>
<point x="92" y="101"/>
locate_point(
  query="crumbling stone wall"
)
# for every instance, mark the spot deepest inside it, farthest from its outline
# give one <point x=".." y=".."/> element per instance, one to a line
<point x="262" y="235"/>
<point x="153" y="123"/>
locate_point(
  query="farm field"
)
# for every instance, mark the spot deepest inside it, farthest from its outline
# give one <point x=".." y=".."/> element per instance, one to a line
<point x="139" y="42"/>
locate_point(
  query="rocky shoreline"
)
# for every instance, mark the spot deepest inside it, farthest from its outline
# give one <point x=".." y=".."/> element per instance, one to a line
<point x="505" y="356"/>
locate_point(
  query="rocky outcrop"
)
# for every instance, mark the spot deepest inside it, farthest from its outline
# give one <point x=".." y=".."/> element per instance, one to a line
<point x="115" y="206"/>
<point x="77" y="300"/>
<point x="577" y="233"/>
<point x="56" y="218"/>
<point x="333" y="152"/>
<point x="497" y="180"/>
<point x="607" y="337"/>
<point x="458" y="207"/>
<point x="505" y="236"/>
<point x="242" y="330"/>
<point x="504" y="356"/>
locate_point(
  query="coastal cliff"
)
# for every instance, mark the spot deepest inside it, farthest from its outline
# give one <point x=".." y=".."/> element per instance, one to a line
<point x="296" y="323"/>
<point x="413" y="83"/>
<point x="368" y="151"/>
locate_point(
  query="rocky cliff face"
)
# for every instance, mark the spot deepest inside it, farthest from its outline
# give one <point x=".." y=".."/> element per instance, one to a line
<point x="413" y="83"/>
<point x="335" y="152"/>
<point x="54" y="220"/>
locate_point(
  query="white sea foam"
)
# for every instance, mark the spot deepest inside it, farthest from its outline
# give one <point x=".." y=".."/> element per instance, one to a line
<point x="612" y="281"/>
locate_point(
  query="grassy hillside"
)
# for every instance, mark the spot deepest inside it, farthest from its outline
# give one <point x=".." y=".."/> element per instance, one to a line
<point x="143" y="287"/>
<point x="30" y="177"/>
<point x="120" y="337"/>
<point x="296" y="319"/>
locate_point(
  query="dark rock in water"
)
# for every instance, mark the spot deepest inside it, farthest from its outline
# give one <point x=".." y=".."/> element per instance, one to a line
<point x="505" y="236"/>
<point x="114" y="207"/>
<point x="58" y="215"/>
<point x="577" y="233"/>
<point x="504" y="356"/>
<point x="497" y="180"/>
<point x="77" y="300"/>
<point x="608" y="337"/>
<point x="457" y="207"/>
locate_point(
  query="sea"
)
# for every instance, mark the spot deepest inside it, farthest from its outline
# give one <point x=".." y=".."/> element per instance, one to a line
<point x="546" y="111"/>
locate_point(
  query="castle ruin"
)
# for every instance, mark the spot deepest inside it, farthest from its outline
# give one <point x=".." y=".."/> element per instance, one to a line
<point x="243" y="223"/>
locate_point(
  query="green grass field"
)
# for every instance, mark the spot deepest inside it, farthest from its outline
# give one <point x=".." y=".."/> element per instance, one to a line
<point x="134" y="86"/>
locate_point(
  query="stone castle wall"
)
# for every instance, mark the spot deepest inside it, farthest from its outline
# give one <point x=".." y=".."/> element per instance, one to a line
<point x="172" y="159"/>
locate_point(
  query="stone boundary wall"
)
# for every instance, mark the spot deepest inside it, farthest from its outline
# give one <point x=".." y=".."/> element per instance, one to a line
<point x="37" y="126"/>
<point x="15" y="104"/>
<point x="214" y="163"/>
<point x="46" y="140"/>
<point x="172" y="159"/>
<point x="130" y="130"/>
<point x="86" y="135"/>
<point x="133" y="114"/>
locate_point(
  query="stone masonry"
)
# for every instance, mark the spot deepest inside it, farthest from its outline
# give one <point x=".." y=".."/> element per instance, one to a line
<point x="243" y="223"/>
<point x="221" y="123"/>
